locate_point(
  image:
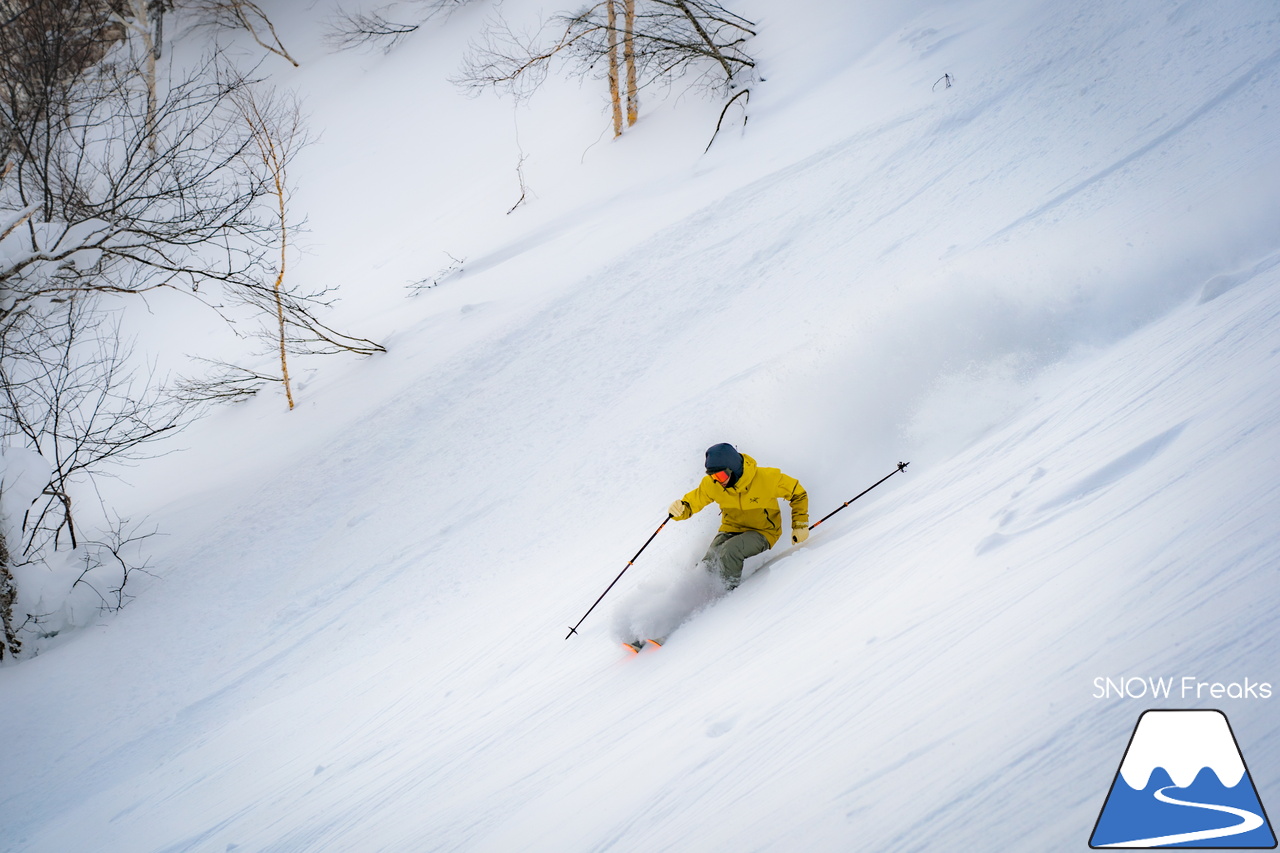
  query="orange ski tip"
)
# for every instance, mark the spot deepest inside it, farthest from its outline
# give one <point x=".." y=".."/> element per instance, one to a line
<point x="657" y="643"/>
<point x="635" y="650"/>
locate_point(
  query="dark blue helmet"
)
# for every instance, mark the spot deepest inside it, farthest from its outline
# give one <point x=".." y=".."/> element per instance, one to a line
<point x="723" y="457"/>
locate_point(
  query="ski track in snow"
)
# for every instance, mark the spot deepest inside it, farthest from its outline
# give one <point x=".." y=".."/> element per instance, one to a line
<point x="1065" y="262"/>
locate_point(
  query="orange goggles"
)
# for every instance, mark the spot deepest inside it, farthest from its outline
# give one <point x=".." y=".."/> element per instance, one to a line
<point x="721" y="476"/>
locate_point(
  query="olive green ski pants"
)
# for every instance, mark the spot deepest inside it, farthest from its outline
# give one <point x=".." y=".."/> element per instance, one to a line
<point x="728" y="551"/>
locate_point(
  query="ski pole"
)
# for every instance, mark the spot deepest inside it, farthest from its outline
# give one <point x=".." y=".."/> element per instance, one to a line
<point x="574" y="629"/>
<point x="902" y="466"/>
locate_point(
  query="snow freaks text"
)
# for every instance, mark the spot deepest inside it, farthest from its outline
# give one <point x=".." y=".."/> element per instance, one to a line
<point x="1186" y="687"/>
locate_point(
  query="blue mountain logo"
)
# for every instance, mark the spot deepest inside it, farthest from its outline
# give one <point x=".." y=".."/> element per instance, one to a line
<point x="1183" y="783"/>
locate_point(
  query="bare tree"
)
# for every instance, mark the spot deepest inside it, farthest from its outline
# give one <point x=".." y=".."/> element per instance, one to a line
<point x="70" y="394"/>
<point x="109" y="190"/>
<point x="275" y="123"/>
<point x="44" y="46"/>
<point x="662" y="41"/>
<point x="116" y="200"/>
<point x="113" y="197"/>
<point x="109" y="564"/>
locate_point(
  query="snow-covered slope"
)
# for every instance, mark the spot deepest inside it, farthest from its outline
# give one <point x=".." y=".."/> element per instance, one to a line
<point x="1053" y="287"/>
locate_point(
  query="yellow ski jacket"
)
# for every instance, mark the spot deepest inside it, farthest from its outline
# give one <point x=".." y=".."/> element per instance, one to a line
<point x="752" y="503"/>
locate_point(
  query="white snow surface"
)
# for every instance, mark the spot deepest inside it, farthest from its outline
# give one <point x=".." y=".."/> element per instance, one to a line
<point x="1053" y="288"/>
<point x="23" y="475"/>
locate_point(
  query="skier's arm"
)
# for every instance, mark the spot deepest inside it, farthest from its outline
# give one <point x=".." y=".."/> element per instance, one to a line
<point x="799" y="500"/>
<point x="695" y="501"/>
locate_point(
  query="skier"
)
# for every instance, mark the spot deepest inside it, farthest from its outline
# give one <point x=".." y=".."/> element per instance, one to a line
<point x="750" y="521"/>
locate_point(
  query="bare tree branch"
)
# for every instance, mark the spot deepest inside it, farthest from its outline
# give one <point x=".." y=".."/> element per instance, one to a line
<point x="241" y="15"/>
<point x="377" y="28"/>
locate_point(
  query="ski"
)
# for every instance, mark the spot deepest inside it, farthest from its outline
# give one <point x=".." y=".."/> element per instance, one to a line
<point x="637" y="646"/>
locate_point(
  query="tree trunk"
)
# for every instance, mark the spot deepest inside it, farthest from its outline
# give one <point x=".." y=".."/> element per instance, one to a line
<point x="629" y="56"/>
<point x="151" y="97"/>
<point x="272" y="139"/>
<point x="614" y="89"/>
<point x="140" y="14"/>
<point x="710" y="42"/>
<point x="278" y="171"/>
<point x="8" y="595"/>
<point x="156" y="10"/>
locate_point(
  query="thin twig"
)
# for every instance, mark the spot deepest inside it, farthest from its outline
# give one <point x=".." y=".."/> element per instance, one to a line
<point x="746" y="92"/>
